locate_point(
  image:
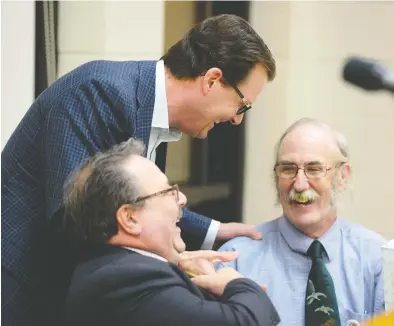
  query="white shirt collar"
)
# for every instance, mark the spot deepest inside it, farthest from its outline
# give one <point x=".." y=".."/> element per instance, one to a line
<point x="147" y="253"/>
<point x="160" y="109"/>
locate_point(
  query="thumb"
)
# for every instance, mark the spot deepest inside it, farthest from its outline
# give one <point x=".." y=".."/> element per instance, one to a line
<point x="253" y="233"/>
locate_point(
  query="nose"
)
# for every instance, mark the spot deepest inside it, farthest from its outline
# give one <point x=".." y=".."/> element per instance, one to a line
<point x="236" y="120"/>
<point x="301" y="182"/>
<point x="182" y="199"/>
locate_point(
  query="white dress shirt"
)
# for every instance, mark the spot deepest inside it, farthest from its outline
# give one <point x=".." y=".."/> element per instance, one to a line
<point x="162" y="132"/>
<point x="147" y="253"/>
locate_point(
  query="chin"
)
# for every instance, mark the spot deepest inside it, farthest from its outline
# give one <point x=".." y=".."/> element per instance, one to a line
<point x="304" y="221"/>
<point x="179" y="245"/>
<point x="180" y="248"/>
<point x="202" y="134"/>
<point x="176" y="254"/>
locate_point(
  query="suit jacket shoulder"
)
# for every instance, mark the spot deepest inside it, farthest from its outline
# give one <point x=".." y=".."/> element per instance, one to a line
<point x="123" y="288"/>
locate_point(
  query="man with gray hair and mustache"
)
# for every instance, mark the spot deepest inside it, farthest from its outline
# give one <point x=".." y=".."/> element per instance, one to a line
<point x="320" y="269"/>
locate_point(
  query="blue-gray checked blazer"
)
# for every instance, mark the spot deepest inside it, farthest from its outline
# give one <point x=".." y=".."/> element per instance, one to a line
<point x="95" y="106"/>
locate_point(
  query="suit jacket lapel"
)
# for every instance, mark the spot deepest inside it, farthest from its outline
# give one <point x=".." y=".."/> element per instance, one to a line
<point x="193" y="288"/>
<point x="145" y="100"/>
<point x="161" y="156"/>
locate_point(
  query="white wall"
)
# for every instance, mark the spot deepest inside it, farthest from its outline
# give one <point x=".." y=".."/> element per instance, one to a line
<point x="112" y="30"/>
<point x="310" y="41"/>
<point x="17" y="63"/>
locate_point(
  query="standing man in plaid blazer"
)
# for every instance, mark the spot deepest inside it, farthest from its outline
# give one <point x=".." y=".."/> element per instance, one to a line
<point x="210" y="76"/>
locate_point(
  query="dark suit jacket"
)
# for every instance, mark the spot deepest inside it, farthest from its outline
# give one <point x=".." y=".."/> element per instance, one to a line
<point x="115" y="286"/>
<point x="95" y="106"/>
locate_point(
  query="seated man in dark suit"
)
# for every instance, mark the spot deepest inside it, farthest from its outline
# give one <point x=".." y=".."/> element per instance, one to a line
<point x="123" y="213"/>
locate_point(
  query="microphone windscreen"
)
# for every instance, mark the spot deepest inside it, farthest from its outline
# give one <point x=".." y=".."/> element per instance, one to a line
<point x="363" y="73"/>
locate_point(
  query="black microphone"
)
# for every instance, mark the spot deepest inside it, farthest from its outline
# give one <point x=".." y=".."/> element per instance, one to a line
<point x="368" y="74"/>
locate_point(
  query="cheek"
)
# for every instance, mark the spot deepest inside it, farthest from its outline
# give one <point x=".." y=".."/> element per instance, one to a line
<point x="231" y="109"/>
<point x="220" y="112"/>
<point x="164" y="234"/>
<point x="284" y="187"/>
<point x="159" y="224"/>
<point x="223" y="107"/>
<point x="322" y="187"/>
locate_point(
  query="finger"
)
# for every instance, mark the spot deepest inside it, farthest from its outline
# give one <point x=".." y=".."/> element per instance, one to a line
<point x="186" y="255"/>
<point x="225" y="256"/>
<point x="253" y="233"/>
<point x="264" y="287"/>
<point x="198" y="254"/>
<point x="197" y="266"/>
<point x="256" y="235"/>
<point x="210" y="255"/>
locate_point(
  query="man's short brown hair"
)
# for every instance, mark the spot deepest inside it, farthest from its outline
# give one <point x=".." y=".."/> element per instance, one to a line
<point x="227" y="42"/>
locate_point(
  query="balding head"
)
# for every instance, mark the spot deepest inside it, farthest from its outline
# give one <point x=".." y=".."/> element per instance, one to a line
<point x="307" y="129"/>
<point x="311" y="169"/>
<point x="98" y="188"/>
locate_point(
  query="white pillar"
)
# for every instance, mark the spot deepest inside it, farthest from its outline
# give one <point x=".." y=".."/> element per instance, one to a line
<point x="17" y="63"/>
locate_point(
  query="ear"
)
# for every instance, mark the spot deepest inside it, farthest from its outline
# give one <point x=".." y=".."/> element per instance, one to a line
<point x="211" y="78"/>
<point x="345" y="173"/>
<point x="129" y="220"/>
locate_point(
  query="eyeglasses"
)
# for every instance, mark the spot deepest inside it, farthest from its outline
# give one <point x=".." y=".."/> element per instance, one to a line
<point x="174" y="189"/>
<point x="311" y="170"/>
<point x="247" y="106"/>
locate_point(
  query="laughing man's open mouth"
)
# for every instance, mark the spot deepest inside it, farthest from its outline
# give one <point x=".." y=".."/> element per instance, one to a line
<point x="305" y="203"/>
<point x="301" y="199"/>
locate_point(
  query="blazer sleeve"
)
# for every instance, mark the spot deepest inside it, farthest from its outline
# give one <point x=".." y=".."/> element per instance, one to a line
<point x="156" y="299"/>
<point x="194" y="229"/>
<point x="88" y="118"/>
<point x="242" y="303"/>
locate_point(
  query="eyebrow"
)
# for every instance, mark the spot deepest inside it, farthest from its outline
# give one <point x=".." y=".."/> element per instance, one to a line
<point x="314" y="163"/>
<point x="307" y="163"/>
<point x="286" y="162"/>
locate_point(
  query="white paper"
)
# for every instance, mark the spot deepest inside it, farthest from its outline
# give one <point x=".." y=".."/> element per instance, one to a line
<point x="388" y="274"/>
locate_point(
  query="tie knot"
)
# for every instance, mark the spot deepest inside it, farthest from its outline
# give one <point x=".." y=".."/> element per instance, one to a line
<point x="315" y="250"/>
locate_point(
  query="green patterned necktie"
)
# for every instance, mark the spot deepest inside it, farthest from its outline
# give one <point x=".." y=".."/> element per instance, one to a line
<point x="321" y="308"/>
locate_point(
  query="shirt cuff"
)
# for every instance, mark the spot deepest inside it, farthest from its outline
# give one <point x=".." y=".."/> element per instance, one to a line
<point x="211" y="235"/>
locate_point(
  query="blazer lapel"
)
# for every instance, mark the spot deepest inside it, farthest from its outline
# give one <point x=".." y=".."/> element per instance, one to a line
<point x="161" y="156"/>
<point x="145" y="100"/>
<point x="193" y="288"/>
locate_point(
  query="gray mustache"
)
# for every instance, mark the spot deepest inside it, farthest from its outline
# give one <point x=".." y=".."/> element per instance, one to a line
<point x="308" y="194"/>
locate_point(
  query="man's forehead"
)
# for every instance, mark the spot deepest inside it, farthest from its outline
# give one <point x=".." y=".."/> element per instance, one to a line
<point x="147" y="171"/>
<point x="140" y="165"/>
<point x="308" y="143"/>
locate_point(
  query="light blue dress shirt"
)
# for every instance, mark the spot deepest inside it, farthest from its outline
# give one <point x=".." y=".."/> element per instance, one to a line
<point x="279" y="260"/>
